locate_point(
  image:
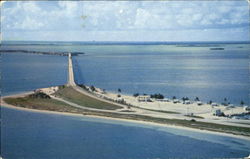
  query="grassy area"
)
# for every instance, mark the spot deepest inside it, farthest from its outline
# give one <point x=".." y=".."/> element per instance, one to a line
<point x="41" y="104"/>
<point x="194" y="116"/>
<point x="54" y="105"/>
<point x="74" y="96"/>
<point x="161" y="111"/>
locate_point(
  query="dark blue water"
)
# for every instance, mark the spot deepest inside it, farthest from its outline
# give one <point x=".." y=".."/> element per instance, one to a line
<point x="24" y="72"/>
<point x="29" y="135"/>
<point x="136" y="68"/>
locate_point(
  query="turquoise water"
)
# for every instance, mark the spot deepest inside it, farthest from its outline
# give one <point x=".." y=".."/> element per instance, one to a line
<point x="172" y="70"/>
<point x="30" y="135"/>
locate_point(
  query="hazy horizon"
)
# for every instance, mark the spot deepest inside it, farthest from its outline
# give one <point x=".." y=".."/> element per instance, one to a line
<point x="93" y="41"/>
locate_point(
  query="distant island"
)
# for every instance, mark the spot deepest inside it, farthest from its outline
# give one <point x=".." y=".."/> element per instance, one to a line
<point x="217" y="48"/>
<point x="43" y="52"/>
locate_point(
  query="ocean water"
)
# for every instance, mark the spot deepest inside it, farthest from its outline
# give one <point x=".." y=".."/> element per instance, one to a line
<point x="29" y="135"/>
<point x="22" y="72"/>
<point x="170" y="69"/>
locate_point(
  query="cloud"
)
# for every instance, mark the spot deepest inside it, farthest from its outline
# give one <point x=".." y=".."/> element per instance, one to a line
<point x="24" y="15"/>
<point x="125" y="17"/>
<point x="29" y="23"/>
<point x="238" y="34"/>
<point x="68" y="8"/>
<point x="122" y="15"/>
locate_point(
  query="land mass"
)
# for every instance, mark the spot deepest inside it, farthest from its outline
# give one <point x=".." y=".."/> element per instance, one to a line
<point x="84" y="101"/>
<point x="42" y="52"/>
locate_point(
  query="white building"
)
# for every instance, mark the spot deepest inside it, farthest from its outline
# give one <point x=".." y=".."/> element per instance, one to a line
<point x="176" y="101"/>
<point x="163" y="100"/>
<point x="144" y="98"/>
<point x="119" y="99"/>
<point x="186" y="102"/>
<point x="214" y="104"/>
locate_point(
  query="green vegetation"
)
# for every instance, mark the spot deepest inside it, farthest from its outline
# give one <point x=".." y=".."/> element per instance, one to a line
<point x="226" y="102"/>
<point x="39" y="95"/>
<point x="119" y="90"/>
<point x="74" y="96"/>
<point x="136" y="94"/>
<point x="92" y="88"/>
<point x="210" y="102"/>
<point x="41" y="104"/>
<point x="54" y="105"/>
<point x="196" y="99"/>
<point x="242" y="103"/>
<point x="157" y="96"/>
<point x="62" y="86"/>
<point x="161" y="111"/>
<point x="185" y="98"/>
<point x="194" y="116"/>
<point x="82" y="86"/>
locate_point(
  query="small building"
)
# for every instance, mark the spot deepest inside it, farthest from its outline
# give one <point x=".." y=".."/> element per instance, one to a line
<point x="186" y="102"/>
<point x="217" y="112"/>
<point x="144" y="98"/>
<point x="163" y="100"/>
<point x="119" y="100"/>
<point x="214" y="104"/>
<point x="176" y="101"/>
<point x="231" y="106"/>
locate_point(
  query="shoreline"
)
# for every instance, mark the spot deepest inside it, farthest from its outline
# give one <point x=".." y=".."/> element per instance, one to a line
<point x="3" y="104"/>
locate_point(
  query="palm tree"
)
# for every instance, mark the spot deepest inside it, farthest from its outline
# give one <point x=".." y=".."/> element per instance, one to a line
<point x="183" y="98"/>
<point x="242" y="103"/>
<point x="136" y="95"/>
<point x="92" y="88"/>
<point x="197" y="99"/>
<point x="225" y="99"/>
<point x="119" y="90"/>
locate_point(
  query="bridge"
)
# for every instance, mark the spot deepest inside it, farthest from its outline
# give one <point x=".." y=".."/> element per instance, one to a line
<point x="71" y="83"/>
<point x="71" y="80"/>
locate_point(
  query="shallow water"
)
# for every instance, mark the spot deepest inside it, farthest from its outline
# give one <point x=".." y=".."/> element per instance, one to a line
<point x="32" y="135"/>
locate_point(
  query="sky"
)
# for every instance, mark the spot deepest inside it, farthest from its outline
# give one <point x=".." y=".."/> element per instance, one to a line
<point x="125" y="20"/>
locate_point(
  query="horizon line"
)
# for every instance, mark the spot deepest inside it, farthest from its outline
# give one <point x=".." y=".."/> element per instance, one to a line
<point x="94" y="41"/>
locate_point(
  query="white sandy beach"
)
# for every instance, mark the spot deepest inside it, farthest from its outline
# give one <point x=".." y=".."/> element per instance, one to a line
<point x="118" y="119"/>
<point x="205" y="111"/>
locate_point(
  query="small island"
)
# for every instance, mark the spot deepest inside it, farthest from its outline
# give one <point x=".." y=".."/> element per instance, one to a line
<point x="217" y="48"/>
